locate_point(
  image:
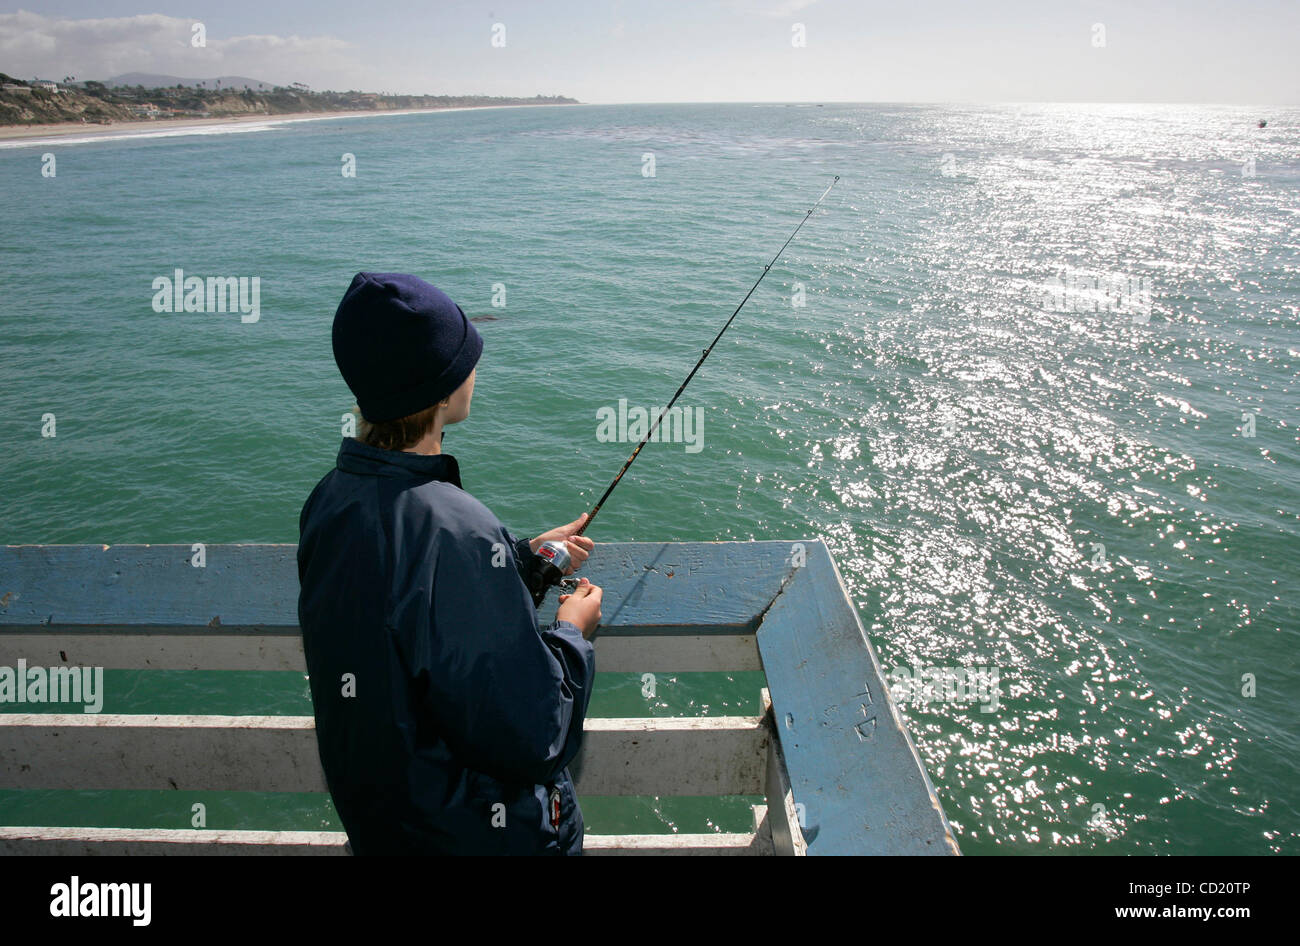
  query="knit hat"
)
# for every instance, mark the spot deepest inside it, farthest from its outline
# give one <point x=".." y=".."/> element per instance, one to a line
<point x="401" y="344"/>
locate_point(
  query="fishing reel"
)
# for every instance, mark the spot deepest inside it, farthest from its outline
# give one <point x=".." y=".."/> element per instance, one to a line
<point x="546" y="568"/>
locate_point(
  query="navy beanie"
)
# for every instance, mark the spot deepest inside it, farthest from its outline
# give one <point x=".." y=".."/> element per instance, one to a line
<point x="401" y="344"/>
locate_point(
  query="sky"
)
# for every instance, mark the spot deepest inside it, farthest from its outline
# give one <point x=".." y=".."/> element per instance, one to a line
<point x="681" y="51"/>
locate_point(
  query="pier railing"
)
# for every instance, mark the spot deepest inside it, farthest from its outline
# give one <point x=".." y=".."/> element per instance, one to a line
<point x="829" y="752"/>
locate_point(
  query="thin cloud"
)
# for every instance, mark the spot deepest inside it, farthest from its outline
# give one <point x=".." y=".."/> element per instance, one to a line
<point x="772" y="8"/>
<point x="32" y="44"/>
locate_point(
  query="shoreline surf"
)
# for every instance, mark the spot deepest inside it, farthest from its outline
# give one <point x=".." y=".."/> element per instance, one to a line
<point x="64" y="133"/>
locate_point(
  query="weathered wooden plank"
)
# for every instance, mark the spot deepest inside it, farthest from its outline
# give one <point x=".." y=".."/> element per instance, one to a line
<point x="180" y="842"/>
<point x="133" y="650"/>
<point x="851" y="762"/>
<point x="782" y="811"/>
<point x="710" y="755"/>
<point x="254" y="588"/>
<point x="751" y="845"/>
<point x="678" y="653"/>
<point x="191" y="753"/>
<point x="710" y="584"/>
<point x="81" y="842"/>
<point x="239" y="586"/>
<point x="722" y="755"/>
<point x="630" y="650"/>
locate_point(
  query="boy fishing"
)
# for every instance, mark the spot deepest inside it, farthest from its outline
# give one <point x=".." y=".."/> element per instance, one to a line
<point x="446" y="718"/>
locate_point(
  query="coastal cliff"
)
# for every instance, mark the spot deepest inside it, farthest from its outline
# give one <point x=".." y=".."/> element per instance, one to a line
<point x="30" y="103"/>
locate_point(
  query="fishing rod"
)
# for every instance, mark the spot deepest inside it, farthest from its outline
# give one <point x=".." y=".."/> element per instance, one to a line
<point x="552" y="558"/>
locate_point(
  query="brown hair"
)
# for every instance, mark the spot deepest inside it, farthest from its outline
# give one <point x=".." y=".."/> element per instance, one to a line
<point x="396" y="434"/>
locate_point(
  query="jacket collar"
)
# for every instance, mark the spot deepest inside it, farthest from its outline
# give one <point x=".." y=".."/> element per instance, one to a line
<point x="363" y="459"/>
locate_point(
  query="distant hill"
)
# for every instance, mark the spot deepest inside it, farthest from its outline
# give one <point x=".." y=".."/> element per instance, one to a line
<point x="134" y="97"/>
<point x="152" y="80"/>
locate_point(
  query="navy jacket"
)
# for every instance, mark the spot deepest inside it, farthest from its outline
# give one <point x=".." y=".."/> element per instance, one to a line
<point x="445" y="716"/>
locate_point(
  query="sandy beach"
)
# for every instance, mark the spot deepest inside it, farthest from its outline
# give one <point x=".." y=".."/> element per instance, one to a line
<point x="70" y="132"/>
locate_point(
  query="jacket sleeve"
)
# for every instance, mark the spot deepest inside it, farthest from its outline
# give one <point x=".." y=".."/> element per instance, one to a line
<point x="523" y="551"/>
<point x="508" y="696"/>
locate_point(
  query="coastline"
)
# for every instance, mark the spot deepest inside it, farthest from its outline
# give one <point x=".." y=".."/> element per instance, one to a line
<point x="76" y="132"/>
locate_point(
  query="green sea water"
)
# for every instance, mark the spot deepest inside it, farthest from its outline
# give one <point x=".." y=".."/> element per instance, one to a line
<point x="1092" y="490"/>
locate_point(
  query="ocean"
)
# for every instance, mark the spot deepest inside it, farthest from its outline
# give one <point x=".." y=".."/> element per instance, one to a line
<point x="1030" y="371"/>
